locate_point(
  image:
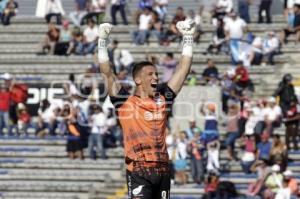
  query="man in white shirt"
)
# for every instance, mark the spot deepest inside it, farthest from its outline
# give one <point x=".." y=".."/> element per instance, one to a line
<point x="98" y="129"/>
<point x="272" y="115"/>
<point x="141" y="34"/>
<point x="90" y="35"/>
<point x="271" y="47"/>
<point x="54" y="8"/>
<point x="234" y="30"/>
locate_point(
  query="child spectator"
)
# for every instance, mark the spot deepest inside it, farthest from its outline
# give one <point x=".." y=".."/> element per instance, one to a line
<point x="291" y="182"/>
<point x="76" y="44"/>
<point x="23" y="119"/>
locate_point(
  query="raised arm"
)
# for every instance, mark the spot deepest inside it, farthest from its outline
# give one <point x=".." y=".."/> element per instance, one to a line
<point x="187" y="29"/>
<point x="111" y="80"/>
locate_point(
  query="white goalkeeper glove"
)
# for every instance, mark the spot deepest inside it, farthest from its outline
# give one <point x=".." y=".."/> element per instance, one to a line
<point x="187" y="29"/>
<point x="103" y="40"/>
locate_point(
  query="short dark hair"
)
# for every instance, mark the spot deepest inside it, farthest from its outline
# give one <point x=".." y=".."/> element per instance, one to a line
<point x="137" y="67"/>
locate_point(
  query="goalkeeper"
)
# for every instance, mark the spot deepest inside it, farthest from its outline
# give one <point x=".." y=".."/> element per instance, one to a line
<point x="144" y="115"/>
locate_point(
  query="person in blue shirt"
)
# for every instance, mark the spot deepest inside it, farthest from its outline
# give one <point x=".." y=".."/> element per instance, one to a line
<point x="264" y="147"/>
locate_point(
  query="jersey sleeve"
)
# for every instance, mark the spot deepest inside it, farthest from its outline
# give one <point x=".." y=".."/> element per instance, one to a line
<point x="167" y="92"/>
<point x="120" y="98"/>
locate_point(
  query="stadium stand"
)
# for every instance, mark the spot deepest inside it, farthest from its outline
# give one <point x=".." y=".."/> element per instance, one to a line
<point x="34" y="168"/>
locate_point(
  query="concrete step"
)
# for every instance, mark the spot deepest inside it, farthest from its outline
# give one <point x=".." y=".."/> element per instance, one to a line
<point x="43" y="195"/>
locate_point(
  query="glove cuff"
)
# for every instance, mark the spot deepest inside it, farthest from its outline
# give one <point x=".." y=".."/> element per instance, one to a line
<point x="103" y="43"/>
<point x="187" y="40"/>
<point x="102" y="50"/>
<point x="187" y="45"/>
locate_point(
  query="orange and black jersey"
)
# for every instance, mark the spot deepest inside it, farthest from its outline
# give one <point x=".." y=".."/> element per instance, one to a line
<point x="144" y="122"/>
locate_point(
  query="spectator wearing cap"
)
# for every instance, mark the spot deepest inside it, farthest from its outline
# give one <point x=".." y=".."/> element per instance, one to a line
<point x="90" y="37"/>
<point x="272" y="115"/>
<point x="265" y="6"/>
<point x="210" y="73"/>
<point x="294" y="29"/>
<point x="278" y="154"/>
<point x="5" y="100"/>
<point x="286" y="93"/>
<point x="54" y="8"/>
<point x="118" y="6"/>
<point x="234" y="30"/>
<point x="79" y="13"/>
<point x="292" y="125"/>
<point x="271" y="47"/>
<point x="11" y="9"/>
<point x="273" y="182"/>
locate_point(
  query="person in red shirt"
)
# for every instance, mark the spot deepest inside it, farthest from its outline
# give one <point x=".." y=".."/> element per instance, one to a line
<point x="144" y="116"/>
<point x="241" y="75"/>
<point x="4" y="109"/>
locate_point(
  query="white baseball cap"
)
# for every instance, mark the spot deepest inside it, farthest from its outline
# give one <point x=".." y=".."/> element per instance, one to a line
<point x="275" y="168"/>
<point x="7" y="76"/>
<point x="288" y="173"/>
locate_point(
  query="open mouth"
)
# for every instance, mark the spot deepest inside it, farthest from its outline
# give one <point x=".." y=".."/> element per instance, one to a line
<point x="154" y="85"/>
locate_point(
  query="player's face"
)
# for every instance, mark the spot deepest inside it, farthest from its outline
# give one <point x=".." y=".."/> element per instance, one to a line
<point x="149" y="80"/>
